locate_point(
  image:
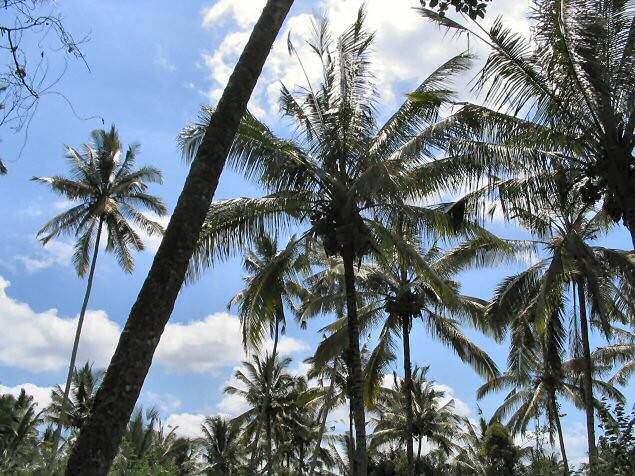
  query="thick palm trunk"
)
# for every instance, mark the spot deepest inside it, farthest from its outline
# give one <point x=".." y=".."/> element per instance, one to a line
<point x="325" y="413"/>
<point x="99" y="438"/>
<point x="407" y="388"/>
<point x="563" y="450"/>
<point x="587" y="377"/>
<point x="78" y="333"/>
<point x="355" y="364"/>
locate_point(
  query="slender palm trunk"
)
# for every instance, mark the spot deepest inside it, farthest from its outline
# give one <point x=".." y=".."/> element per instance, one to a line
<point x="78" y="333"/>
<point x="407" y="388"/>
<point x="563" y="450"/>
<point x="325" y="413"/>
<point x="269" y="452"/>
<point x="101" y="434"/>
<point x="355" y="370"/>
<point x="419" y="447"/>
<point x="587" y="377"/>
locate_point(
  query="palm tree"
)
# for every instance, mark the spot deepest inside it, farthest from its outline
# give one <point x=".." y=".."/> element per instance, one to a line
<point x="99" y="439"/>
<point x="621" y="352"/>
<point x="410" y="283"/>
<point x="267" y="386"/>
<point x="537" y="377"/>
<point x="574" y="78"/>
<point x="80" y="399"/>
<point x="346" y="178"/>
<point x="221" y="444"/>
<point x="109" y="189"/>
<point x="272" y="273"/>
<point x="427" y="418"/>
<point x="3" y="168"/>
<point x="19" y="421"/>
<point x="601" y="280"/>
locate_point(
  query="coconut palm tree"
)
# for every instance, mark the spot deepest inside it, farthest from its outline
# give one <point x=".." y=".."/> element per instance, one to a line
<point x="98" y="442"/>
<point x="108" y="190"/>
<point x="266" y="386"/>
<point x="411" y="282"/>
<point x="600" y="279"/>
<point x="19" y="421"/>
<point x="429" y="417"/>
<point x="344" y="180"/>
<point x="222" y="449"/>
<point x="573" y="81"/>
<point x="621" y="352"/>
<point x="80" y="400"/>
<point x="539" y="378"/>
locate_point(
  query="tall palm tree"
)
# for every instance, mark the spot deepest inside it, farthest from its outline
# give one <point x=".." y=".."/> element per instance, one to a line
<point x="600" y="279"/>
<point x="411" y="282"/>
<point x="428" y="418"/>
<point x="573" y="80"/>
<point x="19" y="421"/>
<point x="98" y="442"/>
<point x="266" y="386"/>
<point x="108" y="190"/>
<point x="345" y="178"/>
<point x="222" y="448"/>
<point x="539" y="378"/>
<point x="80" y="399"/>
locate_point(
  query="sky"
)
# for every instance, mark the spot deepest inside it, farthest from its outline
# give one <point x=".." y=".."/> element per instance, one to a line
<point x="152" y="65"/>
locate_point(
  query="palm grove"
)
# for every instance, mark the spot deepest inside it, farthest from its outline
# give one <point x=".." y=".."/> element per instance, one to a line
<point x="350" y="226"/>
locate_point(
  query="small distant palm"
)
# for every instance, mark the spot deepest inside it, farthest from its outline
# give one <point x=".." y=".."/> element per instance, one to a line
<point x="83" y="388"/>
<point x="222" y="447"/>
<point x="109" y="190"/>
<point x="19" y="421"/>
<point x="3" y="168"/>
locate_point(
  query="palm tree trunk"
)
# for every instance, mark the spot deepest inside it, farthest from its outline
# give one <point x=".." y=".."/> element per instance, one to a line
<point x="268" y="430"/>
<point x="78" y="332"/>
<point x="325" y="413"/>
<point x="563" y="450"/>
<point x="419" y="448"/>
<point x="587" y="377"/>
<point x="407" y="387"/>
<point x="355" y="370"/>
<point x="99" y="438"/>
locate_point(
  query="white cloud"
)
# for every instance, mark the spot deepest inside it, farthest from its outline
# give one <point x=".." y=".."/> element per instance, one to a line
<point x="42" y="341"/>
<point x="187" y="424"/>
<point x="165" y="402"/>
<point x="41" y="395"/>
<point x="407" y="48"/>
<point x="54" y="253"/>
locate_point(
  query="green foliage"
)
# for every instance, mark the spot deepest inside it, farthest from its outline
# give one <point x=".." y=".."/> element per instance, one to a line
<point x="499" y="451"/>
<point x="473" y="8"/>
<point x="617" y="443"/>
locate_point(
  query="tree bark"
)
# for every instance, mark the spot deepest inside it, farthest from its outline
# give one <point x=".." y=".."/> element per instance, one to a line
<point x="407" y="388"/>
<point x="587" y="377"/>
<point x="355" y="370"/>
<point x="78" y="333"/>
<point x="99" y="438"/>
<point x="325" y="413"/>
<point x="563" y="450"/>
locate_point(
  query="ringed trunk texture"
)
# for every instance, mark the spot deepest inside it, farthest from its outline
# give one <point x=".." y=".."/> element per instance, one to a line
<point x="100" y="436"/>
<point x="405" y="322"/>
<point x="587" y="378"/>
<point x="355" y="364"/>
<point x="78" y="333"/>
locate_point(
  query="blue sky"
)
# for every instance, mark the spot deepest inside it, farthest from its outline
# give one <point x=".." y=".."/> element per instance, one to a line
<point x="152" y="65"/>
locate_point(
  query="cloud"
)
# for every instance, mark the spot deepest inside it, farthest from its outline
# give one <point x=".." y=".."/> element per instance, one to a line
<point x="42" y="341"/>
<point x="406" y="49"/>
<point x="54" y="253"/>
<point x="187" y="425"/>
<point x="41" y="395"/>
<point x="165" y="402"/>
